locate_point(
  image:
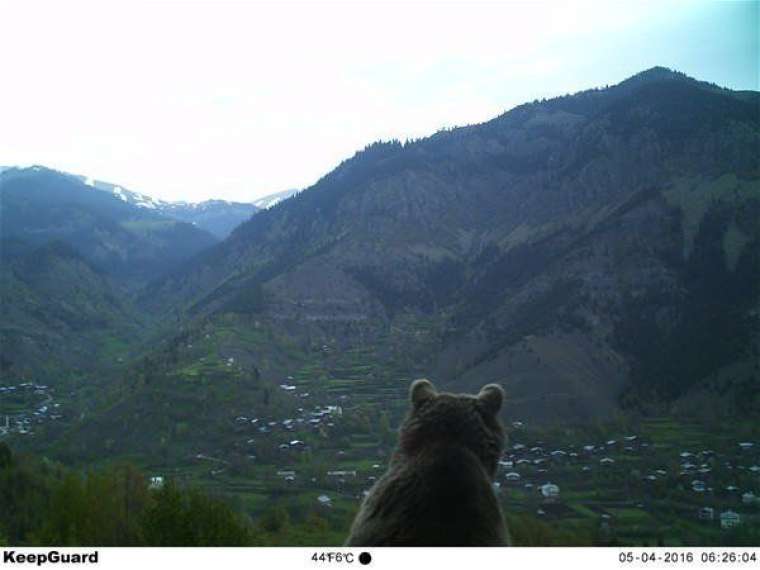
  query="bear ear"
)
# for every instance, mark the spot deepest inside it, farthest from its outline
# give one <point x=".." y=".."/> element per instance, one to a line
<point x="491" y="396"/>
<point x="421" y="391"/>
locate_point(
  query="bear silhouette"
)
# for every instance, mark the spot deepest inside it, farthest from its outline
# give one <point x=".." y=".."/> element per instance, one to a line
<point x="438" y="489"/>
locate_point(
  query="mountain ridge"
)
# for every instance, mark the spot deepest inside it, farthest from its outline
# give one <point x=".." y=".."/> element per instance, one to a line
<point x="385" y="153"/>
<point x="216" y="216"/>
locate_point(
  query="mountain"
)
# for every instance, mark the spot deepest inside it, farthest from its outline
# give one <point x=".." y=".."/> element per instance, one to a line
<point x="273" y="199"/>
<point x="130" y="243"/>
<point x="130" y="197"/>
<point x="218" y="217"/>
<point x="532" y="249"/>
<point x="70" y="260"/>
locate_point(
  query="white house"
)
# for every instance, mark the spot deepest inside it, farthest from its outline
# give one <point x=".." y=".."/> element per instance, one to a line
<point x="729" y="519"/>
<point x="286" y="474"/>
<point x="512" y="476"/>
<point x="706" y="514"/>
<point x="341" y="473"/>
<point x="749" y="498"/>
<point x="324" y="500"/>
<point x="156" y="482"/>
<point x="550" y="491"/>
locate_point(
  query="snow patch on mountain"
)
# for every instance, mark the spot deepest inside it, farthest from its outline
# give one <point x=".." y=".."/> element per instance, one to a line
<point x="119" y="193"/>
<point x="274" y="199"/>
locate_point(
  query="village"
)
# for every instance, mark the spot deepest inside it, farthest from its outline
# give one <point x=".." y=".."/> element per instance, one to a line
<point x="328" y="441"/>
<point x="25" y="406"/>
<point x="632" y="479"/>
<point x="634" y="486"/>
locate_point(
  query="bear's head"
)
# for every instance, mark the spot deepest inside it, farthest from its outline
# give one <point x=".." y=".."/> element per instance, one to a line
<point x="455" y="419"/>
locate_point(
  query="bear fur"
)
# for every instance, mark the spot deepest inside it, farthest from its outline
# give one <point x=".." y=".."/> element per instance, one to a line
<point x="438" y="489"/>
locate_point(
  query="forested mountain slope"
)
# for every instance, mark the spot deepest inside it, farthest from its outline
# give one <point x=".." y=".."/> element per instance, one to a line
<point x="70" y="259"/>
<point x="564" y="248"/>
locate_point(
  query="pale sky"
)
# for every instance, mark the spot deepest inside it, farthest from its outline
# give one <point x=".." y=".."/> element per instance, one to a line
<point x="199" y="99"/>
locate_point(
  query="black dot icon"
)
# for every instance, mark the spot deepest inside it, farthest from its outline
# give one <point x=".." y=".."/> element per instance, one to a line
<point x="365" y="558"/>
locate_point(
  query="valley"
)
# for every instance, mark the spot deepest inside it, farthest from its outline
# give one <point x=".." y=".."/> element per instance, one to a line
<point x="320" y="438"/>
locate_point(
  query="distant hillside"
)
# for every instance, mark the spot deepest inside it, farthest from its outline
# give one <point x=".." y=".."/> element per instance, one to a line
<point x="218" y="217"/>
<point x="127" y="242"/>
<point x="60" y="317"/>
<point x="69" y="259"/>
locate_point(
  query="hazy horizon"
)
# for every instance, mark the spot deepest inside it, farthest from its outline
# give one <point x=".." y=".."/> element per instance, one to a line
<point x="240" y="100"/>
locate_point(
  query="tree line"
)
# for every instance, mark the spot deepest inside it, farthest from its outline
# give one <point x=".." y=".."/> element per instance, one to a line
<point x="44" y="503"/>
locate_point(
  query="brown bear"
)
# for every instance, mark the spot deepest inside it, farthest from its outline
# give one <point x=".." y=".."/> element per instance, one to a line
<point x="438" y="490"/>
